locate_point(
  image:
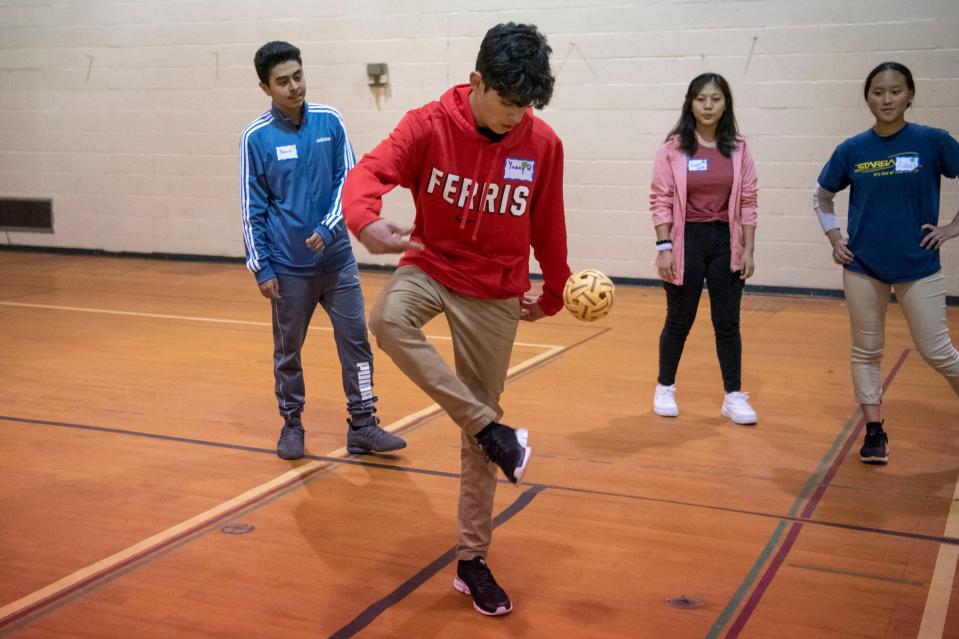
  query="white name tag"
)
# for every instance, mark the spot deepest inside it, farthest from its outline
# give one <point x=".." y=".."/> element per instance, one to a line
<point x="287" y="152"/>
<point x="517" y="169"/>
<point x="907" y="164"/>
<point x="699" y="164"/>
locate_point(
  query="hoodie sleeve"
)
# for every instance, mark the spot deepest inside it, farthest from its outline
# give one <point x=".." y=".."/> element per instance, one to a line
<point x="254" y="199"/>
<point x="394" y="162"/>
<point x="343" y="161"/>
<point x="548" y="234"/>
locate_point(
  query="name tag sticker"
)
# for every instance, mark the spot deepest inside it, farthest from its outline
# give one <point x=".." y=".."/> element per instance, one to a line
<point x="697" y="165"/>
<point x="519" y="169"/>
<point x="286" y="152"/>
<point x="907" y="163"/>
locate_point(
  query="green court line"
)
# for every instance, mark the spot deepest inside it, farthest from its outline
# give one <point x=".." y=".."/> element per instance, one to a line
<point x="808" y="488"/>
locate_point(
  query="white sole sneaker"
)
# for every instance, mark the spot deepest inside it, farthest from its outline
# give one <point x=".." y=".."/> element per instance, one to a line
<point x="668" y="408"/>
<point x="522" y="436"/>
<point x="666" y="412"/>
<point x="738" y="420"/>
<point x="461" y="586"/>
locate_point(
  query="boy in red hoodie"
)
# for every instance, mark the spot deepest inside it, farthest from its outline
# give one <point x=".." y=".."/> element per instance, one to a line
<point x="486" y="177"/>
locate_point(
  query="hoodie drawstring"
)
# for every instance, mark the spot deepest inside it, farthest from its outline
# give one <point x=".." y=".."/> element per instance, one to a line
<point x="490" y="171"/>
<point x="477" y="188"/>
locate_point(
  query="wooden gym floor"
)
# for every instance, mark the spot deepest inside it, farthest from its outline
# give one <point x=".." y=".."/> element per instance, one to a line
<point x="137" y="426"/>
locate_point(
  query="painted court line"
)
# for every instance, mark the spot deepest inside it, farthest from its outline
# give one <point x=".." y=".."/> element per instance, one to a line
<point x="215" y="320"/>
<point x="88" y="576"/>
<point x="239" y="447"/>
<point x="934" y="613"/>
<point x="852" y="573"/>
<point x="784" y="519"/>
<point x="938" y="539"/>
<point x="373" y="612"/>
<point x="85" y="577"/>
<point x="773" y="568"/>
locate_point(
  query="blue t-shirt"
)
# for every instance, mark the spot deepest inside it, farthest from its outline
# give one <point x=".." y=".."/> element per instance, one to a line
<point x="895" y="190"/>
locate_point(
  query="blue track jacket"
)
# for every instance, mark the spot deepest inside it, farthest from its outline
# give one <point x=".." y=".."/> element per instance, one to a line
<point x="291" y="183"/>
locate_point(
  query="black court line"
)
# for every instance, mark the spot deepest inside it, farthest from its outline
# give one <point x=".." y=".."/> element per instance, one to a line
<point x="370" y="615"/>
<point x="853" y="573"/>
<point x="953" y="541"/>
<point x="939" y="539"/>
<point x="250" y="449"/>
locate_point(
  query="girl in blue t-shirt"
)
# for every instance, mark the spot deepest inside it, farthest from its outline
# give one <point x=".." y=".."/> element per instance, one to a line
<point x="894" y="170"/>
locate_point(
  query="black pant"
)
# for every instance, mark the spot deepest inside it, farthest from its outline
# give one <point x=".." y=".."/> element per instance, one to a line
<point x="707" y="258"/>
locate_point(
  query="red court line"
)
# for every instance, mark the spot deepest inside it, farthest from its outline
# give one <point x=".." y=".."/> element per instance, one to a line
<point x="773" y="568"/>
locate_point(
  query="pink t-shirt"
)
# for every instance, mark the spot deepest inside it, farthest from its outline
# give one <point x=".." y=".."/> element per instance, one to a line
<point x="709" y="180"/>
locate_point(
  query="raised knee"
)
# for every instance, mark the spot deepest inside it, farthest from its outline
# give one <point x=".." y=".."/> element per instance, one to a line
<point x="387" y="326"/>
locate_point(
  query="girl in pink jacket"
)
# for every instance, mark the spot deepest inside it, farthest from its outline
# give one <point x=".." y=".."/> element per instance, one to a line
<point x="703" y="201"/>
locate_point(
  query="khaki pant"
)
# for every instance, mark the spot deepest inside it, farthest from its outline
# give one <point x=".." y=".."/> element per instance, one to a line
<point x="923" y="303"/>
<point x="483" y="332"/>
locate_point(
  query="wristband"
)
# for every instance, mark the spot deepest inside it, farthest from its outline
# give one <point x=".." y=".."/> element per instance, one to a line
<point x="664" y="246"/>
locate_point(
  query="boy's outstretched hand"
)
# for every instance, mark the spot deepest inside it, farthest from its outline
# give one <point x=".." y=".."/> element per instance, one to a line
<point x="382" y="236"/>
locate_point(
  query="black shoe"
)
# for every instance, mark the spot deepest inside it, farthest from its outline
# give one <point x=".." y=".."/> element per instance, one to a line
<point x="506" y="447"/>
<point x="875" y="449"/>
<point x="290" y="445"/>
<point x="473" y="578"/>
<point x="371" y="439"/>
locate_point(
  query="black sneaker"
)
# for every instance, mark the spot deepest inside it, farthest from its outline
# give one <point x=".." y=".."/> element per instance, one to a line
<point x="875" y="449"/>
<point x="290" y="445"/>
<point x="506" y="447"/>
<point x="371" y="439"/>
<point x="473" y="578"/>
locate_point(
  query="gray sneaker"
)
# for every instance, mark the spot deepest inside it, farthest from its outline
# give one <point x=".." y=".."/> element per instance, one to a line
<point x="290" y="445"/>
<point x="371" y="439"/>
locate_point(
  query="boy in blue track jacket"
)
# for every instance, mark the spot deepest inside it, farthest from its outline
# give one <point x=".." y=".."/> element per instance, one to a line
<point x="293" y="162"/>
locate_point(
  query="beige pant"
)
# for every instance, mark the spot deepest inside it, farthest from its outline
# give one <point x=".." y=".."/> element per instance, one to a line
<point x="483" y="332"/>
<point x="923" y="303"/>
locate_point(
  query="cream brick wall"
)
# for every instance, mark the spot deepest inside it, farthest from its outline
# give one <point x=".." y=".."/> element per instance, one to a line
<point x="128" y="114"/>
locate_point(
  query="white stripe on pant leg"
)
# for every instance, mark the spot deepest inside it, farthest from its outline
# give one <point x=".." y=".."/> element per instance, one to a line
<point x="365" y="380"/>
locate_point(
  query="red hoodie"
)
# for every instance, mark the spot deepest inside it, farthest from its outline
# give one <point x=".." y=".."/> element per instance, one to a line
<point x="480" y="205"/>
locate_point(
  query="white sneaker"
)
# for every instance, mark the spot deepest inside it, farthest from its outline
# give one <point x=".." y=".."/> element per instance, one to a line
<point x="664" y="401"/>
<point x="736" y="407"/>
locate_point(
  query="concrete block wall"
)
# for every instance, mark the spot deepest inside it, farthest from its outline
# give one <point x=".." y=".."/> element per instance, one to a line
<point x="128" y="114"/>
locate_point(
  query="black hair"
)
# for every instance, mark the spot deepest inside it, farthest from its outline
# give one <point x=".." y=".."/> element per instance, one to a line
<point x="890" y="66"/>
<point x="514" y="61"/>
<point x="726" y="129"/>
<point x="272" y="54"/>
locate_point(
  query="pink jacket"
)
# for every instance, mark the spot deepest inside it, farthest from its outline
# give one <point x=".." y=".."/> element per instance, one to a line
<point x="667" y="199"/>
